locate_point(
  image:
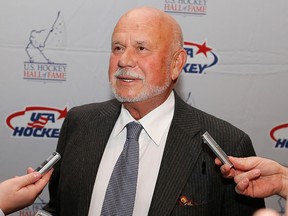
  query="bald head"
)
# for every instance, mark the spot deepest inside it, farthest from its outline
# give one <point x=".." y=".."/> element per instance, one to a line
<point x="147" y="17"/>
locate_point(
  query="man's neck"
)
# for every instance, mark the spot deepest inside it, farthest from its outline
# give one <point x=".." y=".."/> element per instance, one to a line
<point x="139" y="109"/>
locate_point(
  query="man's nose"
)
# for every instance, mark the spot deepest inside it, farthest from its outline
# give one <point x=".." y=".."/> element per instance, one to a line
<point x="127" y="58"/>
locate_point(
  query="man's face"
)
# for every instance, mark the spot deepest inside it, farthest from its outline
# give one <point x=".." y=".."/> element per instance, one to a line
<point x="140" y="60"/>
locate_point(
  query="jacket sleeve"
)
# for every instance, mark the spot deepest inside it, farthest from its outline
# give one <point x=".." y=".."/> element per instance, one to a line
<point x="53" y="206"/>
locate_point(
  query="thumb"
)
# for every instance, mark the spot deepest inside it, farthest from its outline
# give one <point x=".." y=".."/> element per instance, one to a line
<point x="244" y="164"/>
<point x="28" y="179"/>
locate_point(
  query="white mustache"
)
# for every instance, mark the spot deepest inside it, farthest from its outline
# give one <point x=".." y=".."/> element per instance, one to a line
<point x="124" y="72"/>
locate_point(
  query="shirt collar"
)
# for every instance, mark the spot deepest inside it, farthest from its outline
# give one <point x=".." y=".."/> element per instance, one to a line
<point x="154" y="123"/>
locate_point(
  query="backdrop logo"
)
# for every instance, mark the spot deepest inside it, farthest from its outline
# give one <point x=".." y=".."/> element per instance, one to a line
<point x="279" y="134"/>
<point x="32" y="210"/>
<point x="281" y="204"/>
<point x="40" y="66"/>
<point x="186" y="7"/>
<point x="37" y="122"/>
<point x="199" y="57"/>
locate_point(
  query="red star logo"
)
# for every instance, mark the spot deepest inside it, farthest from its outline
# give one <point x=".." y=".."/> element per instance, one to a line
<point x="201" y="48"/>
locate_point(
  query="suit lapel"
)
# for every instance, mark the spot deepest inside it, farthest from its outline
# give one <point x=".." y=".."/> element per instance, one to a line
<point x="96" y="140"/>
<point x="180" y="155"/>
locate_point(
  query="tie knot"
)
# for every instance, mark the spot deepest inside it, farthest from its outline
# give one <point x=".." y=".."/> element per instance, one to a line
<point x="133" y="130"/>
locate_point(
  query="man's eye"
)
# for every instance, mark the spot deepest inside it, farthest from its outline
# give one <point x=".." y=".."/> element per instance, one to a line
<point x="117" y="49"/>
<point x="141" y="48"/>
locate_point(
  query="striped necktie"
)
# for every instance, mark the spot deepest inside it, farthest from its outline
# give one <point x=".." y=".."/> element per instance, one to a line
<point x="120" y="194"/>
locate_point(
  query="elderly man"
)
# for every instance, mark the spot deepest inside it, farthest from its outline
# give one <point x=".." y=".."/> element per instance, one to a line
<point x="173" y="172"/>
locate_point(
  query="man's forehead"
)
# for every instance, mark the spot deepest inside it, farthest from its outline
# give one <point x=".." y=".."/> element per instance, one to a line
<point x="139" y="37"/>
<point x="136" y="42"/>
<point x="137" y="26"/>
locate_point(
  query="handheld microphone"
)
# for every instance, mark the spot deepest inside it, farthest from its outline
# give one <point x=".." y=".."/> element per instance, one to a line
<point x="216" y="149"/>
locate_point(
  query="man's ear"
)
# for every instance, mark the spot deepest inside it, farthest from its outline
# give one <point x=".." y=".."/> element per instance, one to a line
<point x="178" y="62"/>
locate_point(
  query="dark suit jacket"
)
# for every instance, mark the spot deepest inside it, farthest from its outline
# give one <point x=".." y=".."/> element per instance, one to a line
<point x="187" y="168"/>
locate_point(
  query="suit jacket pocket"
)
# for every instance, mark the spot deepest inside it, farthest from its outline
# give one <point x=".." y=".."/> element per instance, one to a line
<point x="195" y="210"/>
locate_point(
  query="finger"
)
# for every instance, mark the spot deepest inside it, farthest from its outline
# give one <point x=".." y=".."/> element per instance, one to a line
<point x="47" y="175"/>
<point x="45" y="179"/>
<point x="38" y="187"/>
<point x="242" y="186"/>
<point x="227" y="171"/>
<point x="244" y="164"/>
<point x="250" y="175"/>
<point x="27" y="179"/>
<point x="30" y="170"/>
<point x="217" y="161"/>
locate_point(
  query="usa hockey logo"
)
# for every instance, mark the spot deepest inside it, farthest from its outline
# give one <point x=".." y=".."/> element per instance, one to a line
<point x="279" y="134"/>
<point x="200" y="57"/>
<point x="36" y="122"/>
<point x="40" y="66"/>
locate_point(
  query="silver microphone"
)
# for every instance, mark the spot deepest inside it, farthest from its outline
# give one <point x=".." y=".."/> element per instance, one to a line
<point x="216" y="149"/>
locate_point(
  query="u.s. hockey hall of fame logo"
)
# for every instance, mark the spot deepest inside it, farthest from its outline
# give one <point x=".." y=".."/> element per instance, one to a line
<point x="32" y="209"/>
<point x="186" y="7"/>
<point x="39" y="66"/>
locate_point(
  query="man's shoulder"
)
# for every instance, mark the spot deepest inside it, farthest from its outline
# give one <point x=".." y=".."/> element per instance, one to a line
<point x="96" y="109"/>
<point x="98" y="105"/>
<point x="205" y="119"/>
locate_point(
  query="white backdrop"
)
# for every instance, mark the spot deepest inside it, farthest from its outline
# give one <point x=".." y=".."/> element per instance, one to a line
<point x="54" y="55"/>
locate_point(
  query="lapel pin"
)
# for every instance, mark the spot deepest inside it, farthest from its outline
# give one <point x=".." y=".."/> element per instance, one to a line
<point x="184" y="201"/>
